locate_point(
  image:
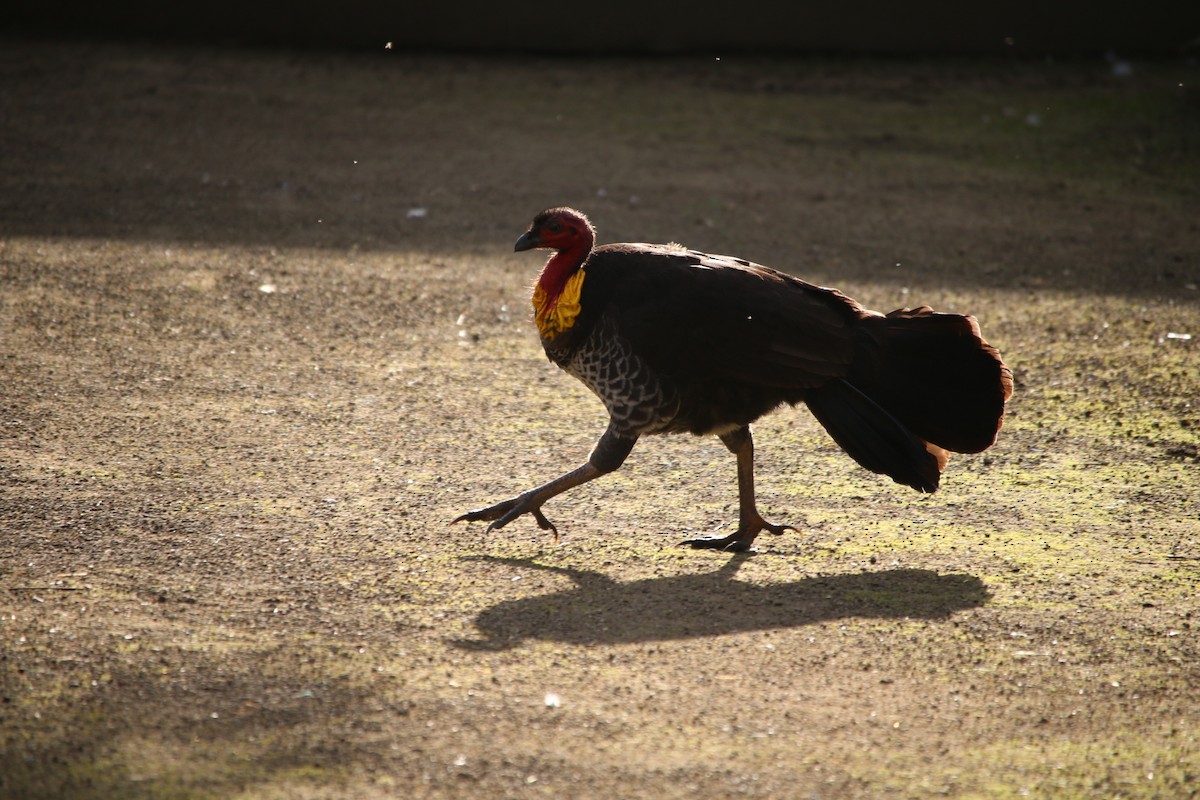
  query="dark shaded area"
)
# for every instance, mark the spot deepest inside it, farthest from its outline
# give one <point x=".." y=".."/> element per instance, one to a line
<point x="659" y="26"/>
<point x="126" y="738"/>
<point x="600" y="610"/>
<point x="200" y="145"/>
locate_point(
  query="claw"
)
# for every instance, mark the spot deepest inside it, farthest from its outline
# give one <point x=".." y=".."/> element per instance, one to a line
<point x="544" y="523"/>
<point x="506" y="511"/>
<point x="485" y="514"/>
<point x="741" y="540"/>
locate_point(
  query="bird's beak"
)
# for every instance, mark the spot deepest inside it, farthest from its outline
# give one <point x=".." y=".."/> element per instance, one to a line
<point x="528" y="241"/>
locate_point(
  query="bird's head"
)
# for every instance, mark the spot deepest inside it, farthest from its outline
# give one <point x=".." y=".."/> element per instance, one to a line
<point x="562" y="229"/>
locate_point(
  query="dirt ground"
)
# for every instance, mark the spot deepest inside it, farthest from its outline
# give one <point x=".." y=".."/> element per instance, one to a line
<point x="263" y="335"/>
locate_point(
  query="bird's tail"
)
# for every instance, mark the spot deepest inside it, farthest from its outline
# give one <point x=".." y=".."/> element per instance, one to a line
<point x="930" y="384"/>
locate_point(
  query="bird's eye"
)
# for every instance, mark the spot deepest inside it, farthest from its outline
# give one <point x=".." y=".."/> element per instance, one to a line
<point x="554" y="227"/>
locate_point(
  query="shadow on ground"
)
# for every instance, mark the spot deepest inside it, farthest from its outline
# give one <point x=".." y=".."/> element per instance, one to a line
<point x="600" y="610"/>
<point x="195" y="725"/>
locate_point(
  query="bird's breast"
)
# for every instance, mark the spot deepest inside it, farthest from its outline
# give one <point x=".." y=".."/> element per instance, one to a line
<point x="638" y="401"/>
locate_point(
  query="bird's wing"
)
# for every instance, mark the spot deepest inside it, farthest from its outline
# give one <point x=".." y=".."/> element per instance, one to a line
<point x="698" y="316"/>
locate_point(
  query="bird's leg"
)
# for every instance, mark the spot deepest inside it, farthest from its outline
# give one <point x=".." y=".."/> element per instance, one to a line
<point x="608" y="454"/>
<point x="750" y="522"/>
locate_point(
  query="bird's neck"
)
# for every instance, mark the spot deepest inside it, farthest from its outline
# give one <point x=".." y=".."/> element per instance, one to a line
<point x="557" y="293"/>
<point x="561" y="266"/>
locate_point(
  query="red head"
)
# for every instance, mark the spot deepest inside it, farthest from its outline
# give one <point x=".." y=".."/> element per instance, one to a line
<point x="567" y="231"/>
<point x="562" y="229"/>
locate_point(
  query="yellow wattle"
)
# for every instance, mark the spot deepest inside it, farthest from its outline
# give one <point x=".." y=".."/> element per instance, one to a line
<point x="553" y="316"/>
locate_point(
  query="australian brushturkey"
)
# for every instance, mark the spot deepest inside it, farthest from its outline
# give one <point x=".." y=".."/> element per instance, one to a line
<point x="674" y="340"/>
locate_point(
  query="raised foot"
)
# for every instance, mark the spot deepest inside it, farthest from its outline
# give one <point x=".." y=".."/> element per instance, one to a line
<point x="506" y="511"/>
<point x="740" y="541"/>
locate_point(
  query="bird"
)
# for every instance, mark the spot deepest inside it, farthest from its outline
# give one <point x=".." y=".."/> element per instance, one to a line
<point x="673" y="340"/>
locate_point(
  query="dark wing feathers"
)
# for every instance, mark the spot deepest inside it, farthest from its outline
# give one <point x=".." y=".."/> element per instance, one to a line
<point x="874" y="438"/>
<point x="693" y="314"/>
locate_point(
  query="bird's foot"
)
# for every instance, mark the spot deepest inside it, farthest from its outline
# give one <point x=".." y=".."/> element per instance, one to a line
<point x="506" y="511"/>
<point x="741" y="540"/>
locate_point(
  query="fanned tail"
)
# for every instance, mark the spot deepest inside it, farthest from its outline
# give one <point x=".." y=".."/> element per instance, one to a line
<point x="935" y="386"/>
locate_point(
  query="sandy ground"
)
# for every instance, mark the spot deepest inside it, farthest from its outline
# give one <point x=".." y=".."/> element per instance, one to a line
<point x="262" y="336"/>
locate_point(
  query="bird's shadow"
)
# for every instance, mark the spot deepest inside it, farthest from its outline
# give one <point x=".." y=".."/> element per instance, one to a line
<point x="600" y="610"/>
